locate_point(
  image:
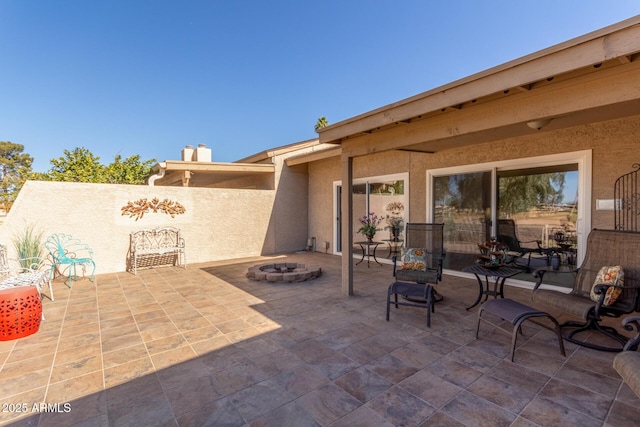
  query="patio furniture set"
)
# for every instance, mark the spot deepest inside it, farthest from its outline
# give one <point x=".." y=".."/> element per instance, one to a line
<point x="607" y="284"/>
<point x="22" y="282"/>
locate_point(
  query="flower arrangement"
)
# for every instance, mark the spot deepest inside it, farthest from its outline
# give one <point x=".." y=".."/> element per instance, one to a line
<point x="369" y="225"/>
<point x="492" y="254"/>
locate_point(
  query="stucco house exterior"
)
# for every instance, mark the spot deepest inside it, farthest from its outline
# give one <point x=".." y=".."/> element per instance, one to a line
<point x="572" y="110"/>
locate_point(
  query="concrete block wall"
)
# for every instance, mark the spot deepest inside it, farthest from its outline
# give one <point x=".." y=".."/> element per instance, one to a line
<point x="218" y="223"/>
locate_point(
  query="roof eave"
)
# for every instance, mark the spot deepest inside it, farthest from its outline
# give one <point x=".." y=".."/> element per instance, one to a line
<point x="618" y="40"/>
<point x="314" y="156"/>
<point x="178" y="165"/>
<point x="268" y="154"/>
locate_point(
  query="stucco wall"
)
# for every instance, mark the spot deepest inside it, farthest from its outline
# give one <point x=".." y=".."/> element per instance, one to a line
<point x="322" y="175"/>
<point x="288" y="226"/>
<point x="615" y="147"/>
<point x="218" y="223"/>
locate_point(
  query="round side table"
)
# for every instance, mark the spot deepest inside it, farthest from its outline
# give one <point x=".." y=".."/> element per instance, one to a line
<point x="20" y="312"/>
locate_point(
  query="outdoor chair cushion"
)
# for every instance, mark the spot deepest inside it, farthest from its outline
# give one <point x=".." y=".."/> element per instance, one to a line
<point x="608" y="275"/>
<point x="414" y="259"/>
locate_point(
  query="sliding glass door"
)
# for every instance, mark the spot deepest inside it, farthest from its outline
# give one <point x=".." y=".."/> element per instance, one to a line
<point x="383" y="196"/>
<point x="543" y="203"/>
<point x="463" y="203"/>
<point x="544" y="196"/>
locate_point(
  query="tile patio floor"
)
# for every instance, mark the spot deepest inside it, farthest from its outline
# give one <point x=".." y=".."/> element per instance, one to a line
<point x="206" y="346"/>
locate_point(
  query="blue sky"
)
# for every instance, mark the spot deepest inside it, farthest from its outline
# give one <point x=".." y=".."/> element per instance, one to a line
<point x="149" y="77"/>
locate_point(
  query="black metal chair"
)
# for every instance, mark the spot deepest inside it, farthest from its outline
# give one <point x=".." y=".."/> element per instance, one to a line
<point x="414" y="280"/>
<point x="518" y="249"/>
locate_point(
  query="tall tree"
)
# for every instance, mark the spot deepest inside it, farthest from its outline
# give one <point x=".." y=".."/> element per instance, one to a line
<point x="521" y="193"/>
<point x="15" y="167"/>
<point x="131" y="170"/>
<point x="79" y="165"/>
<point x="321" y="123"/>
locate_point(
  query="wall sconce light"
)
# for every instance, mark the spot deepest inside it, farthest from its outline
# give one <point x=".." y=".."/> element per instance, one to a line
<point x="538" y="124"/>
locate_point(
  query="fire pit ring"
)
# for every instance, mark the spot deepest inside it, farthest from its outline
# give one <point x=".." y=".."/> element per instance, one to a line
<point x="284" y="272"/>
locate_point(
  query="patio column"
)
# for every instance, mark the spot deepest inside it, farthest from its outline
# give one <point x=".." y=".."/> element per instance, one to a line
<point x="347" y="223"/>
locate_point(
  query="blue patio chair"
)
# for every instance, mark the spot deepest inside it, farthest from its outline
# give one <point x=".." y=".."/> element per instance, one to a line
<point x="66" y="250"/>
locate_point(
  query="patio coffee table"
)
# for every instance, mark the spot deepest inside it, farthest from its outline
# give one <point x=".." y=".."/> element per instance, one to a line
<point x="500" y="274"/>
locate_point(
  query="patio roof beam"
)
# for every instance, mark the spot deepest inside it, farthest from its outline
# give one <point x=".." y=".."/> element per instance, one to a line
<point x="172" y="179"/>
<point x="524" y="88"/>
<point x="625" y="59"/>
<point x="413" y="150"/>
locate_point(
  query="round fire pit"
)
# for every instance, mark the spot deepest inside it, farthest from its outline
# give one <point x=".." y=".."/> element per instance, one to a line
<point x="284" y="272"/>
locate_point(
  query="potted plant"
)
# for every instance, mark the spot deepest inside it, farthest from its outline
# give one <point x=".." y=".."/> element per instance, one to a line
<point x="28" y="246"/>
<point x="396" y="225"/>
<point x="369" y="225"/>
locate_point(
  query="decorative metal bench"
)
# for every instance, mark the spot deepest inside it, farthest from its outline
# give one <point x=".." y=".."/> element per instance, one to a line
<point x="154" y="247"/>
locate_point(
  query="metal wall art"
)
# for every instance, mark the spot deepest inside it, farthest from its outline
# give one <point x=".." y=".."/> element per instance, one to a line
<point x="140" y="207"/>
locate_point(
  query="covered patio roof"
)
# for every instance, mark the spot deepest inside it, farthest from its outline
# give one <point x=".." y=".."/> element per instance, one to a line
<point x="588" y="79"/>
<point x="479" y="108"/>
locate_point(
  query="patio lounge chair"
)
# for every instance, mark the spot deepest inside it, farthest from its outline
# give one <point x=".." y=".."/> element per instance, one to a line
<point x="605" y="248"/>
<point x="518" y="248"/>
<point x="421" y="268"/>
